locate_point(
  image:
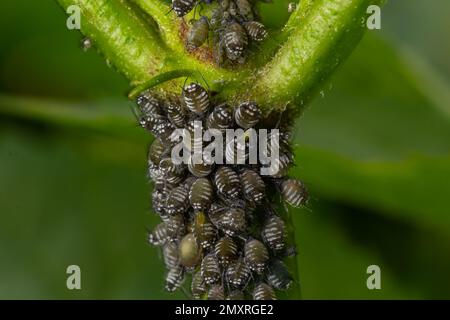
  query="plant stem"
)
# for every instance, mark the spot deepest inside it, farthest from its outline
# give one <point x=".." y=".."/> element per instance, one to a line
<point x="314" y="49"/>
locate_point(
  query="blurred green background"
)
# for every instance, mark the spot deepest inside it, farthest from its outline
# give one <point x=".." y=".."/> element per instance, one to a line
<point x="374" y="148"/>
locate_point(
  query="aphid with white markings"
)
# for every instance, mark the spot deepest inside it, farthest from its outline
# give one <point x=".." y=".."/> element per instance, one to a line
<point x="159" y="126"/>
<point x="198" y="287"/>
<point x="159" y="235"/>
<point x="233" y="222"/>
<point x="256" y="255"/>
<point x="225" y="250"/>
<point x="176" y="226"/>
<point x="216" y="292"/>
<point x="201" y="194"/>
<point x="274" y="233"/>
<point x="247" y="114"/>
<point x="263" y="291"/>
<point x="294" y="192"/>
<point x="170" y="254"/>
<point x="210" y="269"/>
<point x="189" y="251"/>
<point x="204" y="231"/>
<point x="183" y="7"/>
<point x="238" y="273"/>
<point x="227" y="183"/>
<point x="234" y="40"/>
<point x="175" y="113"/>
<point x="256" y="30"/>
<point x="253" y="186"/>
<point x="173" y="173"/>
<point x="220" y="118"/>
<point x="174" y="278"/>
<point x="178" y="200"/>
<point x="278" y="275"/>
<point x="149" y="105"/>
<point x="196" y="98"/>
<point x="198" y="33"/>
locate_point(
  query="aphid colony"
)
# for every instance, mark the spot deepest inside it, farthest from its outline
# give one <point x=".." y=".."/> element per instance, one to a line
<point x="218" y="224"/>
<point x="233" y="24"/>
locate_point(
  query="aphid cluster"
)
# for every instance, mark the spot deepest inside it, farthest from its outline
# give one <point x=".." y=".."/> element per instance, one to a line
<point x="219" y="226"/>
<point x="233" y="25"/>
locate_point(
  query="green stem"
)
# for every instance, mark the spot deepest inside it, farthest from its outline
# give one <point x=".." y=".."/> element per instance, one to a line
<point x="316" y="46"/>
<point x="168" y="23"/>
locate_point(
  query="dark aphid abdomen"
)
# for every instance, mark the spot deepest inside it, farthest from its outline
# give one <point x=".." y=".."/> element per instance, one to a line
<point x="256" y="30"/>
<point x="227" y="183"/>
<point x="196" y="98"/>
<point x="256" y="255"/>
<point x="198" y="33"/>
<point x="201" y="194"/>
<point x="210" y="269"/>
<point x="294" y="192"/>
<point x="247" y="114"/>
<point x="274" y="233"/>
<point x="183" y="7"/>
<point x="263" y="291"/>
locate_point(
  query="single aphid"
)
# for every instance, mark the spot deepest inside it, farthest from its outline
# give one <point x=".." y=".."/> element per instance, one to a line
<point x="201" y="194"/>
<point x="220" y="118"/>
<point x="263" y="291"/>
<point x="183" y="7"/>
<point x="170" y="255"/>
<point x="156" y="152"/>
<point x="158" y="125"/>
<point x="294" y="192"/>
<point x="189" y="251"/>
<point x="178" y="200"/>
<point x="253" y="186"/>
<point x="176" y="226"/>
<point x="175" y="113"/>
<point x="216" y="292"/>
<point x="238" y="273"/>
<point x="256" y="255"/>
<point x="274" y="233"/>
<point x="247" y="114"/>
<point x="210" y="269"/>
<point x="227" y="183"/>
<point x="199" y="170"/>
<point x="198" y="287"/>
<point x="244" y="7"/>
<point x="173" y="173"/>
<point x="204" y="231"/>
<point x="198" y="33"/>
<point x="236" y="295"/>
<point x="278" y="275"/>
<point x="225" y="250"/>
<point x="196" y="98"/>
<point x="235" y="41"/>
<point x="149" y="105"/>
<point x="256" y="30"/>
<point x="232" y="222"/>
<point x="159" y="235"/>
<point x="174" y="278"/>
